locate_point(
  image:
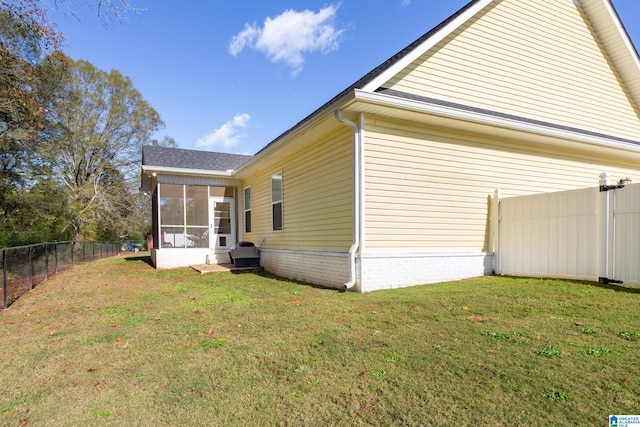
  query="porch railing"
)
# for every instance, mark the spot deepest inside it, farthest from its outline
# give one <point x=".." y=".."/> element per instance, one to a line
<point x="24" y="267"/>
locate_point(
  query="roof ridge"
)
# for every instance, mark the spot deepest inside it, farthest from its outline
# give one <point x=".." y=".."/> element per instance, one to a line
<point x="192" y="151"/>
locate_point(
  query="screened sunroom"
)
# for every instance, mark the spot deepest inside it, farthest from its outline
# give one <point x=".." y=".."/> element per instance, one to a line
<point x="194" y="210"/>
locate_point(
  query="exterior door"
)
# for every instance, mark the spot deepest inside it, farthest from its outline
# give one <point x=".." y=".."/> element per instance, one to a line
<point x="222" y="223"/>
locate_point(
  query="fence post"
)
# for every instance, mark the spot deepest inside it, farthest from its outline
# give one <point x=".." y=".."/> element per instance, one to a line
<point x="603" y="228"/>
<point x="495" y="220"/>
<point x="4" y="278"/>
<point x="55" y="256"/>
<point x="46" y="261"/>
<point x="73" y="246"/>
<point x="30" y="267"/>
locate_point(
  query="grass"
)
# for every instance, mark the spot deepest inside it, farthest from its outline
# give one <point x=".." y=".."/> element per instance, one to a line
<point x="549" y="351"/>
<point x="115" y="342"/>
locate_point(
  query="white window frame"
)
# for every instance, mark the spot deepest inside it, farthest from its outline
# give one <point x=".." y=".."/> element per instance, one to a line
<point x="247" y="210"/>
<point x="277" y="176"/>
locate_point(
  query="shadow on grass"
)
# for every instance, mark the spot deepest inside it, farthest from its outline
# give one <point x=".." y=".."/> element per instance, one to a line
<point x="283" y="279"/>
<point x="616" y="288"/>
<point x="143" y="258"/>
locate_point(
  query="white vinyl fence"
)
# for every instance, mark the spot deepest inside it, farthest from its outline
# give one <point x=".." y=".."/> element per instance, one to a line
<point x="587" y="234"/>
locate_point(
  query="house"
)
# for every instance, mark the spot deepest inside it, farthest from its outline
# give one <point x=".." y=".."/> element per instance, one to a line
<point x="388" y="184"/>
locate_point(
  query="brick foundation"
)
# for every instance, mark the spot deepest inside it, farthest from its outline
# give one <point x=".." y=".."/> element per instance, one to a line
<point x="324" y="268"/>
<point x="397" y="270"/>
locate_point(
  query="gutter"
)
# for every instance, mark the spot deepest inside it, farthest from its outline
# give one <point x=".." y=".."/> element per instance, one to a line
<point x="356" y="198"/>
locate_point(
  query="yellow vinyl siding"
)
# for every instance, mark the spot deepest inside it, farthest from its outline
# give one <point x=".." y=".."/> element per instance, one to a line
<point x="318" y="191"/>
<point x="428" y="189"/>
<point x="536" y="59"/>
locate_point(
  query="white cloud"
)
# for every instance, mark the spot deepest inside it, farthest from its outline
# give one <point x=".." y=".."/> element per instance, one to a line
<point x="243" y="38"/>
<point x="227" y="135"/>
<point x="406" y="2"/>
<point x="289" y="36"/>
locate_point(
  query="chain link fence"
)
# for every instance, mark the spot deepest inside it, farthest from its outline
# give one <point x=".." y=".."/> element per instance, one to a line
<point x="24" y="267"/>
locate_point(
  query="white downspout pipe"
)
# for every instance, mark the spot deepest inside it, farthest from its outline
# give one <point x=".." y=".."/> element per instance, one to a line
<point x="356" y="199"/>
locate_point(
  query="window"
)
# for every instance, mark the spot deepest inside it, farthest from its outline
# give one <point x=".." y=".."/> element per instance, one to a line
<point x="276" y="202"/>
<point x="247" y="210"/>
<point x="172" y="204"/>
<point x="184" y="216"/>
<point x="222" y="217"/>
<point x="172" y="215"/>
<point x="197" y="216"/>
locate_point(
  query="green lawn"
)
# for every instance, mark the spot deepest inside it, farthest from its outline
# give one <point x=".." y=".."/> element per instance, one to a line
<point x="115" y="342"/>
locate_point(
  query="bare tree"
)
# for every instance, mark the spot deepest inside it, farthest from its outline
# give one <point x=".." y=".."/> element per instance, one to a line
<point x="99" y="123"/>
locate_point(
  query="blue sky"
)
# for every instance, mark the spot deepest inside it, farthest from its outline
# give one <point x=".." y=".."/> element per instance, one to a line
<point x="231" y="76"/>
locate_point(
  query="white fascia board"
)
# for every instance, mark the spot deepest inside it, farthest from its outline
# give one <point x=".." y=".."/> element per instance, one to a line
<point x="185" y="171"/>
<point x="424" y="47"/>
<point x="491" y="120"/>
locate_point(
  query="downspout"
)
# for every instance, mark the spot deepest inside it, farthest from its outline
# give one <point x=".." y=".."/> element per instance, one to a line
<point x="356" y="199"/>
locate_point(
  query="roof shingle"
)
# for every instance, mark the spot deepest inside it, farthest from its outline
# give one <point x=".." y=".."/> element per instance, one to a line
<point x="191" y="159"/>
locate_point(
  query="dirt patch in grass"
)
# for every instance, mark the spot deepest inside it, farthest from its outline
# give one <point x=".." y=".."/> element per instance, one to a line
<point x="481" y="319"/>
<point x="119" y="343"/>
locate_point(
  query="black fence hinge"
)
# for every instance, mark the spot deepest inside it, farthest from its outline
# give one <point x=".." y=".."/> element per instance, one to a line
<point x="610" y="187"/>
<point x="605" y="281"/>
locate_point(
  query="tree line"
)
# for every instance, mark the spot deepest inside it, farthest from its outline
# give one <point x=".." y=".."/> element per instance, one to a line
<point x="70" y="136"/>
